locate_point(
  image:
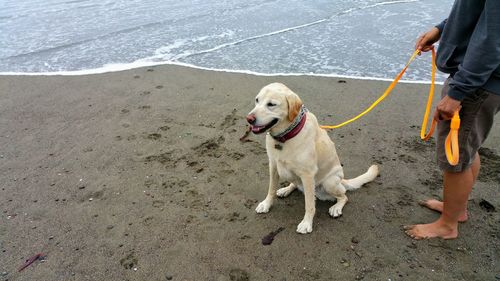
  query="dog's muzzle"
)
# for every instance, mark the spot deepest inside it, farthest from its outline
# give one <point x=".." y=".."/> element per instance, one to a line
<point x="251" y="119"/>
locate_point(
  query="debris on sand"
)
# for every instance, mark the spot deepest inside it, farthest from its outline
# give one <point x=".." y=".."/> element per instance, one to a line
<point x="487" y="206"/>
<point x="268" y="239"/>
<point x="244" y="138"/>
<point x="31" y="260"/>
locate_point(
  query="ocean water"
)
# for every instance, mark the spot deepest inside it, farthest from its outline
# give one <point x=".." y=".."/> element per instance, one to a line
<point x="360" y="38"/>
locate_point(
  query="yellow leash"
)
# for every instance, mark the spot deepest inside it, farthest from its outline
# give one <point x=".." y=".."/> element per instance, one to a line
<point x="451" y="144"/>
<point x="386" y="93"/>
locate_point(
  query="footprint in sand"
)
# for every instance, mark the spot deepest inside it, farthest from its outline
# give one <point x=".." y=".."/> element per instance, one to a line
<point x="129" y="262"/>
<point x="174" y="182"/>
<point x="237" y="155"/>
<point x="137" y="76"/>
<point x="150" y="182"/>
<point x="211" y="125"/>
<point x="237" y="274"/>
<point x="163" y="158"/>
<point x="148" y="221"/>
<point x="91" y="196"/>
<point x="158" y="203"/>
<point x="164" y="128"/>
<point x="88" y="149"/>
<point x="211" y="147"/>
<point x="125" y="110"/>
<point x="490" y="161"/>
<point x="154" y="136"/>
<point x="159" y="87"/>
<point x="230" y="120"/>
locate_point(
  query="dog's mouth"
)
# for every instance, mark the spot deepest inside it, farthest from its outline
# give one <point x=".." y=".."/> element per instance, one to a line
<point x="261" y="129"/>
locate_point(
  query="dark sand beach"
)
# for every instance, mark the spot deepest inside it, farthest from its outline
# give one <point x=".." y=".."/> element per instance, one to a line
<point x="140" y="175"/>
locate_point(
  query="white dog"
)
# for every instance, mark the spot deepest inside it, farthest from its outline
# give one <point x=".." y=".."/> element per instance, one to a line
<point x="301" y="153"/>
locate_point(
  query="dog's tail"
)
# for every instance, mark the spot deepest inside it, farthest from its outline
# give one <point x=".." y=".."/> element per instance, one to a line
<point x="358" y="181"/>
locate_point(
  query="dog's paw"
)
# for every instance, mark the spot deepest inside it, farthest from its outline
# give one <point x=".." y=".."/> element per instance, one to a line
<point x="283" y="192"/>
<point x="335" y="211"/>
<point x="373" y="170"/>
<point x="305" y="226"/>
<point x="263" y="207"/>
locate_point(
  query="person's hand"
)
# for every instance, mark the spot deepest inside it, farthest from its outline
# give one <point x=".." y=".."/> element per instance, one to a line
<point x="425" y="41"/>
<point x="446" y="108"/>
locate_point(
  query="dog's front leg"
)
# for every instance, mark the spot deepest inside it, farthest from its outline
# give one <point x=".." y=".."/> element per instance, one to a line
<point x="265" y="205"/>
<point x="306" y="225"/>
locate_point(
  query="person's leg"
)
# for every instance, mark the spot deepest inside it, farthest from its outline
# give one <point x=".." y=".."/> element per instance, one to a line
<point x="477" y="115"/>
<point x="457" y="187"/>
<point x="437" y="205"/>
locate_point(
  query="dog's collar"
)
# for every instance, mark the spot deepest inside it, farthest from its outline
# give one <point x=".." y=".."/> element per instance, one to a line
<point x="294" y="129"/>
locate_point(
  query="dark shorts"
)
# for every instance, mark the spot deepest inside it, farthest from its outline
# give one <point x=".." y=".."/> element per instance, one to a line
<point x="477" y="117"/>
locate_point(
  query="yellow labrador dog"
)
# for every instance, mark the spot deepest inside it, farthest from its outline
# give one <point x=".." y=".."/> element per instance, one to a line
<point x="300" y="152"/>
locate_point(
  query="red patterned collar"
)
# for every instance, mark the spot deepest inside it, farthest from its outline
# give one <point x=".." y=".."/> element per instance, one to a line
<point x="294" y="129"/>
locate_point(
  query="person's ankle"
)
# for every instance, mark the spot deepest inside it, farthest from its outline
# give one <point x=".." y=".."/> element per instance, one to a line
<point x="447" y="222"/>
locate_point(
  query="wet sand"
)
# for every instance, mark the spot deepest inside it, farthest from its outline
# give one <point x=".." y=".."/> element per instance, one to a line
<point x="140" y="175"/>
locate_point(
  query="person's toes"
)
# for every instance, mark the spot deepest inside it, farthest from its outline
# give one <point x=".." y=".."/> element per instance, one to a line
<point x="414" y="236"/>
<point x="410" y="234"/>
<point x="422" y="203"/>
<point x="420" y="237"/>
<point x="408" y="227"/>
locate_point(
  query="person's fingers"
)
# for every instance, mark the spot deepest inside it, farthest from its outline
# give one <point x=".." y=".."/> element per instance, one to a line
<point x="445" y="115"/>
<point x="427" y="48"/>
<point x="421" y="42"/>
<point x="424" y="43"/>
<point x="441" y="115"/>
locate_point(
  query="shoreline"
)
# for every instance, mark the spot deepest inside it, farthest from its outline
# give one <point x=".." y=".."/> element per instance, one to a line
<point x="134" y="65"/>
<point x="140" y="175"/>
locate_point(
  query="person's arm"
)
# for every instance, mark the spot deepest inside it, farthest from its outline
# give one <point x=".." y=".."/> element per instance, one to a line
<point x="482" y="57"/>
<point x="425" y="41"/>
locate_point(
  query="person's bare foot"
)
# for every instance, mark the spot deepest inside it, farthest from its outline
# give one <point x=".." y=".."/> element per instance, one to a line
<point x="437" y="206"/>
<point x="436" y="229"/>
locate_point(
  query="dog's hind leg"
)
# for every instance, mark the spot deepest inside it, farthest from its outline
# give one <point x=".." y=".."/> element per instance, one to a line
<point x="336" y="189"/>
<point x="285" y="191"/>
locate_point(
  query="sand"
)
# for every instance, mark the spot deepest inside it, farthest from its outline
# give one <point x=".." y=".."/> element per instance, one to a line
<point x="140" y="175"/>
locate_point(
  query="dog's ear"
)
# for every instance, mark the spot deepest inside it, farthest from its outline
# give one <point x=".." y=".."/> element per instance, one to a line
<point x="294" y="105"/>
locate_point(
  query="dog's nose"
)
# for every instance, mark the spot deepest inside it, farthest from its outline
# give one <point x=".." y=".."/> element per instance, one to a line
<point x="251" y="119"/>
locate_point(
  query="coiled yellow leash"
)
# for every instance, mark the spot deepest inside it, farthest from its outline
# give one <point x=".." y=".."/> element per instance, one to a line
<point x="451" y="144"/>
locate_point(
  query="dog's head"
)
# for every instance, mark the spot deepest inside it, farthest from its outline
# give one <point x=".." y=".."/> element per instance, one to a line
<point x="275" y="106"/>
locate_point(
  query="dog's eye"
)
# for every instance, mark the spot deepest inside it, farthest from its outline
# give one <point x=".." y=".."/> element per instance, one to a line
<point x="256" y="100"/>
<point x="270" y="104"/>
